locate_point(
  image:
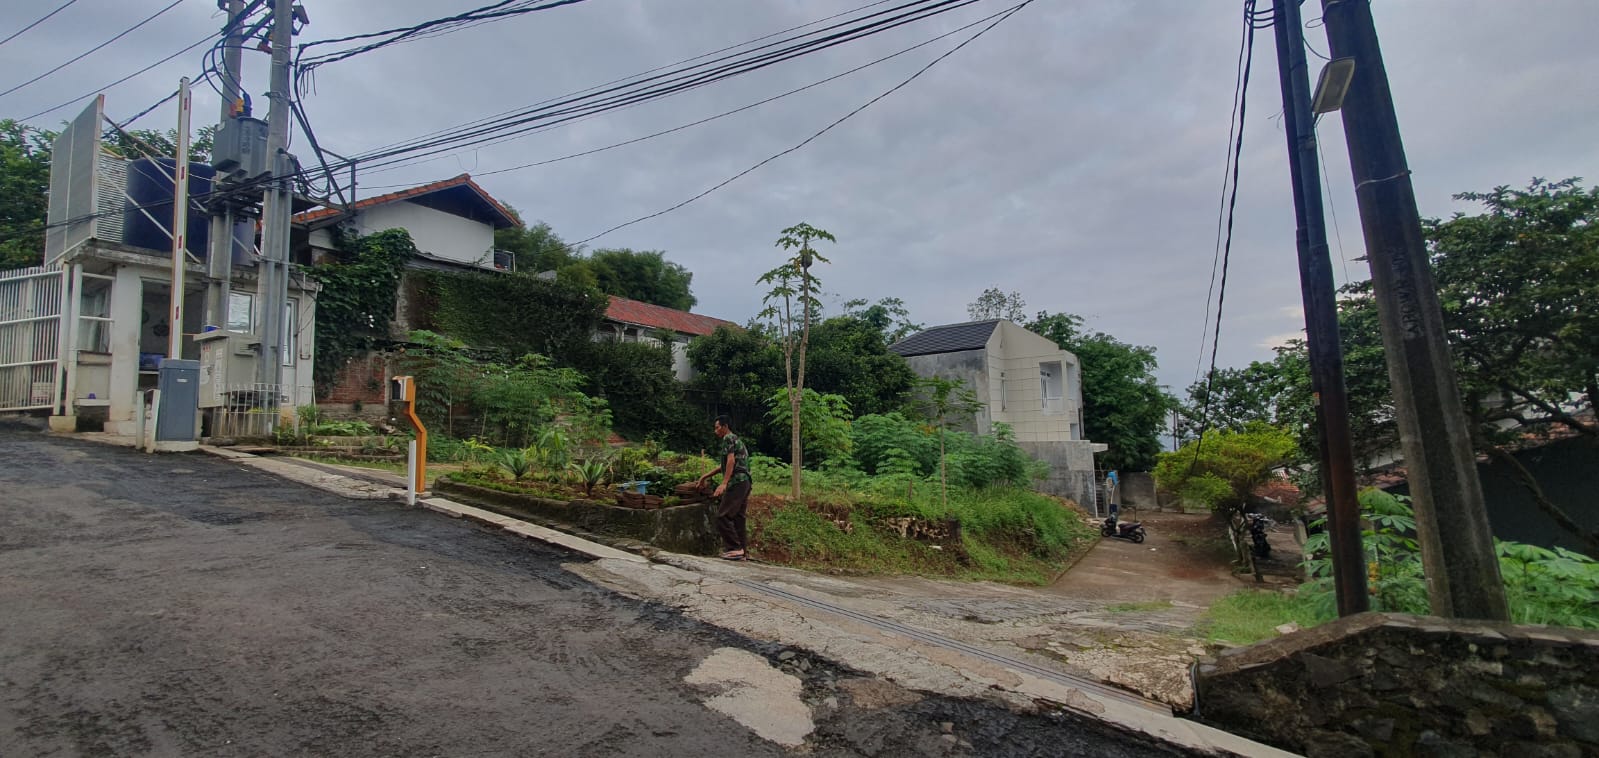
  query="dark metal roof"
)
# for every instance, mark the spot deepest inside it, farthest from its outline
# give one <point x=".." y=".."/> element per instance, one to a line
<point x="950" y="338"/>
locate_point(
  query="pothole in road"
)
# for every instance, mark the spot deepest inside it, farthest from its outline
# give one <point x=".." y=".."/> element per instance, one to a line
<point x="753" y="693"/>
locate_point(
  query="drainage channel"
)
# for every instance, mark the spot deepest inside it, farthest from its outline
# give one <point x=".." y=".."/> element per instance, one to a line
<point x="1031" y="669"/>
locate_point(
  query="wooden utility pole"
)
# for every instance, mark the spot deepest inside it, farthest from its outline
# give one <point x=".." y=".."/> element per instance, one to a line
<point x="1321" y="317"/>
<point x="1457" y="547"/>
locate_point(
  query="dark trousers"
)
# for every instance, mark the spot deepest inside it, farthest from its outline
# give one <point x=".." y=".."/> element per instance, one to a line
<point x="730" y="516"/>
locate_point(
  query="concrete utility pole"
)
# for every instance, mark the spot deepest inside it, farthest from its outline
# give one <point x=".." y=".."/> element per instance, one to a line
<point x="1457" y="547"/>
<point x="219" y="261"/>
<point x="276" y="209"/>
<point x="1321" y="317"/>
<point x="180" y="224"/>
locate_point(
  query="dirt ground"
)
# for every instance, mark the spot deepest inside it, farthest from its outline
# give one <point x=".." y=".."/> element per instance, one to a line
<point x="183" y="605"/>
<point x="1184" y="558"/>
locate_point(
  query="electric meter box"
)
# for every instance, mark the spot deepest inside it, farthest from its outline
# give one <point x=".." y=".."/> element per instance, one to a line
<point x="225" y="358"/>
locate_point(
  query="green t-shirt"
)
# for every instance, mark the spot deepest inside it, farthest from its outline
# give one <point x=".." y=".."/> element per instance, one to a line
<point x="732" y="445"/>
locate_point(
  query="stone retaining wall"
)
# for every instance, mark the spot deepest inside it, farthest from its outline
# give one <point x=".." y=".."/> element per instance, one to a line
<point x="680" y="528"/>
<point x="1396" y="685"/>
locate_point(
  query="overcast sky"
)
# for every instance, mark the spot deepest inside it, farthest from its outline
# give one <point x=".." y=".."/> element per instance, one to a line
<point x="1073" y="154"/>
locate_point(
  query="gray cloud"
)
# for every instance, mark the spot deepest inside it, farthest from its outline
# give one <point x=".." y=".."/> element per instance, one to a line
<point x="1074" y="154"/>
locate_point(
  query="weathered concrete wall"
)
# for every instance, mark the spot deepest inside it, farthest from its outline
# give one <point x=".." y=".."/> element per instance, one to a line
<point x="1138" y="489"/>
<point x="1395" y="685"/>
<point x="1071" y="469"/>
<point x="681" y="529"/>
<point x="971" y="367"/>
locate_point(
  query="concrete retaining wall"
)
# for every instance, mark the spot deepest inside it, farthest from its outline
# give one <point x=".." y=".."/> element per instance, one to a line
<point x="680" y="529"/>
<point x="1396" y="685"/>
<point x="1071" y="469"/>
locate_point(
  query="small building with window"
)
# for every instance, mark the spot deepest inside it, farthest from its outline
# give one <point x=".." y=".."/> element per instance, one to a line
<point x="83" y="335"/>
<point x="1022" y="380"/>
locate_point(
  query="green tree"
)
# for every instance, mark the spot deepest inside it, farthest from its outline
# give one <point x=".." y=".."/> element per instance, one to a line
<point x="948" y="403"/>
<point x="643" y="275"/>
<point x="791" y="304"/>
<point x="637" y="381"/>
<point x="1517" y="285"/>
<point x="994" y="304"/>
<point x="848" y="356"/>
<point x="1221" y="469"/>
<point x="140" y="143"/>
<point x="1123" y="404"/>
<point x="538" y="248"/>
<point x="824" y="421"/>
<point x="888" y="316"/>
<point x="24" y="192"/>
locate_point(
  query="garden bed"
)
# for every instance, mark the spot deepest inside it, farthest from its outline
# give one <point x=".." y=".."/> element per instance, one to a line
<point x="679" y="528"/>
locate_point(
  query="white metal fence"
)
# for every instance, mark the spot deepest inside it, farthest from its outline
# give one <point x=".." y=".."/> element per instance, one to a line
<point x="30" y="337"/>
<point x="249" y="410"/>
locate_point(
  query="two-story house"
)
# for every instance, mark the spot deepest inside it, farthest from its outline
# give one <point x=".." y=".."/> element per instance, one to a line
<point x="1023" y="380"/>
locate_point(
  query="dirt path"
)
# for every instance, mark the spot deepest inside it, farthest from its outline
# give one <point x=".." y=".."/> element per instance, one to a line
<point x="1184" y="560"/>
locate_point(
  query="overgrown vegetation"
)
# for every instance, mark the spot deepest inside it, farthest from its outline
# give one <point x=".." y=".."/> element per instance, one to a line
<point x="1555" y="587"/>
<point x="357" y="300"/>
<point x="460" y="393"/>
<point x="1220" y="470"/>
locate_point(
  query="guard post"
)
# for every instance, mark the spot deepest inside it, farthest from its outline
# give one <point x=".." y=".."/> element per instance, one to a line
<point x="402" y="390"/>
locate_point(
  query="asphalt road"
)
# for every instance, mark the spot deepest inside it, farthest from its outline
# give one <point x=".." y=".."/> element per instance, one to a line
<point x="185" y="605"/>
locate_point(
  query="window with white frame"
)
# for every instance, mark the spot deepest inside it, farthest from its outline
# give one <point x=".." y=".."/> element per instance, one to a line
<point x="241" y="312"/>
<point x="94" y="314"/>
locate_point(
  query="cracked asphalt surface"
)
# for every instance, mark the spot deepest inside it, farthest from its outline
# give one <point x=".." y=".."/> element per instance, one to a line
<point x="184" y="605"/>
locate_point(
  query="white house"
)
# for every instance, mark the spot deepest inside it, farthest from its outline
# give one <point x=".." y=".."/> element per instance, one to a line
<point x="633" y="321"/>
<point x="451" y="221"/>
<point x="1023" y="380"/>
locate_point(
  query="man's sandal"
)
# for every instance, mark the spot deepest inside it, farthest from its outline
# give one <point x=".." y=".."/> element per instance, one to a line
<point x="733" y="555"/>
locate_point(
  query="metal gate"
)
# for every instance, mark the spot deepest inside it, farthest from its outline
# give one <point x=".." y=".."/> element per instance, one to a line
<point x="30" y="337"/>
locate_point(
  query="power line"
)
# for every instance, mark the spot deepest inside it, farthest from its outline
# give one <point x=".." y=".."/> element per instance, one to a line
<point x="674" y="82"/>
<point x="1007" y="14"/>
<point x="205" y="75"/>
<point x="18" y="33"/>
<point x="98" y="90"/>
<point x="1251" y="24"/>
<point x="94" y="49"/>
<point x="1244" y="38"/>
<point x="718" y="116"/>
<point x="643" y="73"/>
<point x="462" y="20"/>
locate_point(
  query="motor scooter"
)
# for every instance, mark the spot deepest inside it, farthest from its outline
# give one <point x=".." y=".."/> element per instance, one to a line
<point x="1258" y="525"/>
<point x="1132" y="531"/>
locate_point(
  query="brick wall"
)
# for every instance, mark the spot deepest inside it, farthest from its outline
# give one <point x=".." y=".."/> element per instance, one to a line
<point x="362" y="380"/>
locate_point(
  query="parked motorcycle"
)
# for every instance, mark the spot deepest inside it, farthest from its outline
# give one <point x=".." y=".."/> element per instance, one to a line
<point x="1258" y="525"/>
<point x="1132" y="531"/>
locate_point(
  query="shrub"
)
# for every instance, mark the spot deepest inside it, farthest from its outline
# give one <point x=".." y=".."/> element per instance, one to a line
<point x="1543" y="586"/>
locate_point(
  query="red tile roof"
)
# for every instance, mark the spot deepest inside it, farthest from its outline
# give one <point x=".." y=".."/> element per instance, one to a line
<point x="660" y="317"/>
<point x="406" y="194"/>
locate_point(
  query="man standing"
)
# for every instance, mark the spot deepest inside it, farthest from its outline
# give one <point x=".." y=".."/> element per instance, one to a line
<point x="734" y="491"/>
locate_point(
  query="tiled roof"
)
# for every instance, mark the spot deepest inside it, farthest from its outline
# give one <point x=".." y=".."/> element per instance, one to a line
<point x="406" y="194"/>
<point x="660" y="317"/>
<point x="950" y="338"/>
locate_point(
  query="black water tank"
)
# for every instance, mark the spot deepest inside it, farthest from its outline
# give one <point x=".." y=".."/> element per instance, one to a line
<point x="150" y="187"/>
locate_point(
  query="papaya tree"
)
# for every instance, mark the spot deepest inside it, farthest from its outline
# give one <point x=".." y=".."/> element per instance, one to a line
<point x="792" y="304"/>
